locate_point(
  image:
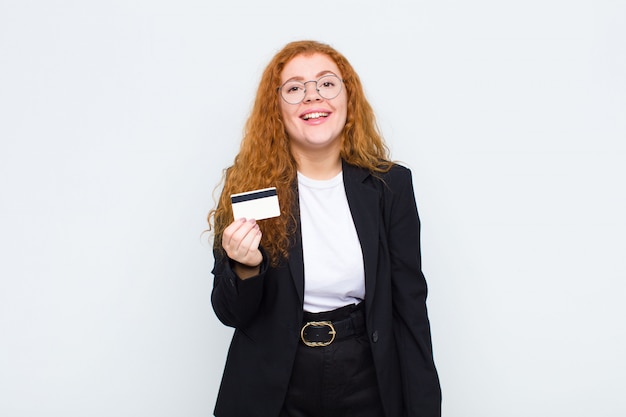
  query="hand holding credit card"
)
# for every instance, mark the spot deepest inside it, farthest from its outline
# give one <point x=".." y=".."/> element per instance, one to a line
<point x="258" y="204"/>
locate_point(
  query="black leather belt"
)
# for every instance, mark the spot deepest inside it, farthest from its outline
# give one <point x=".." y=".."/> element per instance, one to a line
<point x="324" y="332"/>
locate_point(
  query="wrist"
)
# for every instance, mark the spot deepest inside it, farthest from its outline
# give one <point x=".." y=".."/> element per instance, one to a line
<point x="240" y="265"/>
<point x="245" y="271"/>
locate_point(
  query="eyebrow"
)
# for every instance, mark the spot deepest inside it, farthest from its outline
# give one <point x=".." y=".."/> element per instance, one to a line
<point x="319" y="75"/>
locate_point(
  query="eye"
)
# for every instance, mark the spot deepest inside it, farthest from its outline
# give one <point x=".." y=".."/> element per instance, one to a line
<point x="328" y="82"/>
<point x="293" y="88"/>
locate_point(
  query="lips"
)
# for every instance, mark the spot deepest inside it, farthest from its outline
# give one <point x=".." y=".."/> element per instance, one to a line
<point x="315" y="115"/>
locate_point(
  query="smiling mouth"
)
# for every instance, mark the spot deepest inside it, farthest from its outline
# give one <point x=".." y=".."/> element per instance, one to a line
<point x="315" y="115"/>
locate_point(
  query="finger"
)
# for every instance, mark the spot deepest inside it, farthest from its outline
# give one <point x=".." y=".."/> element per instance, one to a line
<point x="248" y="252"/>
<point x="243" y="230"/>
<point x="257" y="239"/>
<point x="251" y="240"/>
<point x="234" y="231"/>
<point x="239" y="245"/>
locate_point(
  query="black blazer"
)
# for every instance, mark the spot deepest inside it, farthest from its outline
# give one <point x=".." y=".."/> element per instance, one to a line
<point x="266" y="310"/>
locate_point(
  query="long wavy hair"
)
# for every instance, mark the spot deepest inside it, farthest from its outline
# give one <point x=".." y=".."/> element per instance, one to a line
<point x="265" y="159"/>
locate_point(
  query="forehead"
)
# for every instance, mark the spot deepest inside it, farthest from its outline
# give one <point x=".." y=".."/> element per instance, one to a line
<point x="308" y="67"/>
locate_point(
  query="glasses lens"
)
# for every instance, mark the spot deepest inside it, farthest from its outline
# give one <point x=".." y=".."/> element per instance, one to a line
<point x="292" y="92"/>
<point x="329" y="86"/>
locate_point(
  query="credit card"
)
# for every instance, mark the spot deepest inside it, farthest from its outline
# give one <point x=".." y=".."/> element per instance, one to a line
<point x="258" y="204"/>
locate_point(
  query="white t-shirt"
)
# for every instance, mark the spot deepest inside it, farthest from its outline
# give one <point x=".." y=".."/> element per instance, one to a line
<point x="333" y="261"/>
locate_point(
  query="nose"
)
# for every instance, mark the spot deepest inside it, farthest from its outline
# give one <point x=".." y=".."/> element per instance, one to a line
<point x="311" y="93"/>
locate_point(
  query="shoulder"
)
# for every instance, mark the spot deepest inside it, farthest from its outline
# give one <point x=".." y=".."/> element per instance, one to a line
<point x="397" y="172"/>
<point x="397" y="179"/>
<point x="395" y="184"/>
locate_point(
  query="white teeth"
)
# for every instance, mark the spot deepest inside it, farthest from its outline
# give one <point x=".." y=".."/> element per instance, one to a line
<point x="316" y="115"/>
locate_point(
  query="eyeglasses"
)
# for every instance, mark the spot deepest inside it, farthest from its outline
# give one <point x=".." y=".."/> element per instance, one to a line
<point x="329" y="86"/>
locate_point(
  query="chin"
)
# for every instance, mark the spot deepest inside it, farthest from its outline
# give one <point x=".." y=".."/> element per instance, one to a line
<point x="322" y="142"/>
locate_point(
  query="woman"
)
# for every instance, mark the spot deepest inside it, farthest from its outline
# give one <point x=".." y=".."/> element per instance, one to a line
<point x="328" y="300"/>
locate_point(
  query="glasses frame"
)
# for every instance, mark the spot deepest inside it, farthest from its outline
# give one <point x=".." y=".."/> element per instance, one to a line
<point x="304" y="83"/>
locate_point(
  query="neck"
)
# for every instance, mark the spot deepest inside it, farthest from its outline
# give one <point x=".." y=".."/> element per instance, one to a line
<point x="318" y="166"/>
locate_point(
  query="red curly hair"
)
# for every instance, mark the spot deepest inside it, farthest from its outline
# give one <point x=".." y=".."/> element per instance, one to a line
<point x="265" y="159"/>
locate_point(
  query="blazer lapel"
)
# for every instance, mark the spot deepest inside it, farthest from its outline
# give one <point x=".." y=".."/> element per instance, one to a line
<point x="296" y="260"/>
<point x="364" y="202"/>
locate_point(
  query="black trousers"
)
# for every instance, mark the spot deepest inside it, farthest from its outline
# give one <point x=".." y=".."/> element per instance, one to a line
<point x="338" y="380"/>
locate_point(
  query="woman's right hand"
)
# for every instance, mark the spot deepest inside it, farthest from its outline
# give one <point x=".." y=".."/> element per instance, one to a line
<point x="241" y="241"/>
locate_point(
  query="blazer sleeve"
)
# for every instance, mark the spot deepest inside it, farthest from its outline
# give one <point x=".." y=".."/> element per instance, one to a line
<point x="235" y="301"/>
<point x="420" y="382"/>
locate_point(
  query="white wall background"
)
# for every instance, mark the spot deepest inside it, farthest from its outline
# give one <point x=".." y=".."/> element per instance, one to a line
<point x="116" y="118"/>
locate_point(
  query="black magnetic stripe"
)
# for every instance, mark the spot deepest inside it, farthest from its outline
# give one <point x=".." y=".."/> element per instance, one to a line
<point x="253" y="196"/>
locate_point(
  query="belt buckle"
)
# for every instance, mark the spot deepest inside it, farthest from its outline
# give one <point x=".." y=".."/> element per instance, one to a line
<point x="331" y="332"/>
